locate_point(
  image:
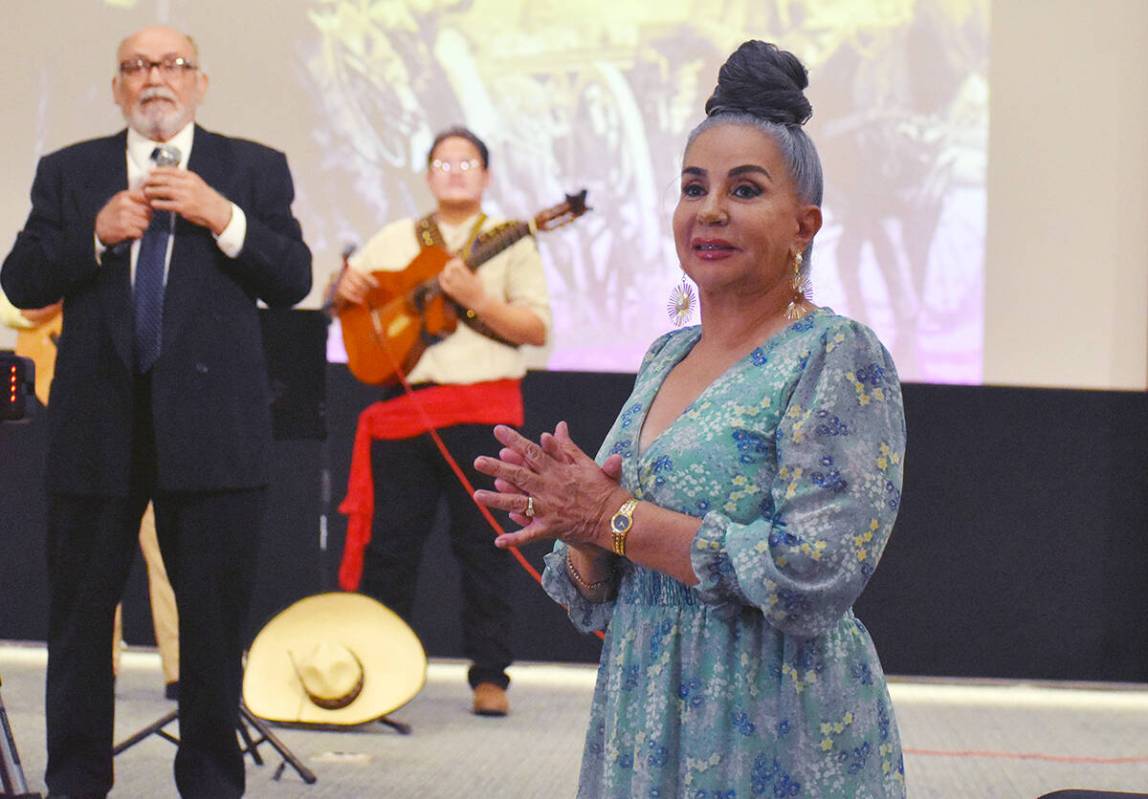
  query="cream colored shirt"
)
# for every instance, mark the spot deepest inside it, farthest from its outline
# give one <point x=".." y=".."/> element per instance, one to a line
<point x="515" y="276"/>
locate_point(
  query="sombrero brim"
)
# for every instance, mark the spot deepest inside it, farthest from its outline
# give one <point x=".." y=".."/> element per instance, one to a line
<point x="394" y="663"/>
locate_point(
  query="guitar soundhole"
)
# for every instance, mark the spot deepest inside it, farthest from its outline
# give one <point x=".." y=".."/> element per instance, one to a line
<point x="421" y="296"/>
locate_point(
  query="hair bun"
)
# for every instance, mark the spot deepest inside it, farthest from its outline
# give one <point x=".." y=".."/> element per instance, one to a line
<point x="763" y="80"/>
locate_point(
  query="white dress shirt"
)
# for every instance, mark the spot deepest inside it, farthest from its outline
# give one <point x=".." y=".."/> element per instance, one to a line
<point x="139" y="163"/>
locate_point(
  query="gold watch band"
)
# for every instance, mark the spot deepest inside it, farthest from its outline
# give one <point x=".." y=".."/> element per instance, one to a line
<point x="620" y="524"/>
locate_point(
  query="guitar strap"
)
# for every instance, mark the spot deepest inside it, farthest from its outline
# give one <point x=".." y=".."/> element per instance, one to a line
<point x="429" y="235"/>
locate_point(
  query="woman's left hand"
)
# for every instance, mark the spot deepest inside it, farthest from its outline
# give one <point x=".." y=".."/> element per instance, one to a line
<point x="570" y="495"/>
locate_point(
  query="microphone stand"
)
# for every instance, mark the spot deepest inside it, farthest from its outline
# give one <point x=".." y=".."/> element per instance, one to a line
<point x="12" y="780"/>
<point x="250" y="742"/>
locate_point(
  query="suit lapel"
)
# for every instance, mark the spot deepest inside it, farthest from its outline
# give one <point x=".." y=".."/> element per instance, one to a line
<point x="109" y="175"/>
<point x="194" y="249"/>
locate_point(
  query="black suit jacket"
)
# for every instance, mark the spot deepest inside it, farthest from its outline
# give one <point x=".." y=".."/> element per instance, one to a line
<point x="210" y="398"/>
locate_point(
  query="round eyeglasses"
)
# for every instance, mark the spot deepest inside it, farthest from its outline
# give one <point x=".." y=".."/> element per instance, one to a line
<point x="447" y="167"/>
<point x="169" y="66"/>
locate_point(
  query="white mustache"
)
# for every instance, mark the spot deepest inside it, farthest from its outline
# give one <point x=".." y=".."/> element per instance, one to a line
<point x="157" y="92"/>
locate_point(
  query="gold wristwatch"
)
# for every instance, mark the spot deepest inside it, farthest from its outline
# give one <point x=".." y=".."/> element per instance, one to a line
<point x="620" y="524"/>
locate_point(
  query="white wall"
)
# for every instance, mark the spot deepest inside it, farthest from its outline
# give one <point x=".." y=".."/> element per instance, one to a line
<point x="1066" y="294"/>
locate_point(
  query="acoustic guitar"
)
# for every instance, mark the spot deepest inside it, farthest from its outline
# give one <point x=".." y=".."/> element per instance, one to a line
<point x="408" y="311"/>
<point x="39" y="344"/>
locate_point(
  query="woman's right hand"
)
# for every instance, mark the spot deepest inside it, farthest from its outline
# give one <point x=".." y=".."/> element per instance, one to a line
<point x="570" y="495"/>
<point x="574" y="499"/>
<point x="550" y="442"/>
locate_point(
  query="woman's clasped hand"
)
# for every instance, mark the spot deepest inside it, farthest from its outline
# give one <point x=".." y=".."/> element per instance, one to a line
<point x="573" y="497"/>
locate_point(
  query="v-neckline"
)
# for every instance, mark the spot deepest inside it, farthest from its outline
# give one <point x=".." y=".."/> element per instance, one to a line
<point x="768" y="344"/>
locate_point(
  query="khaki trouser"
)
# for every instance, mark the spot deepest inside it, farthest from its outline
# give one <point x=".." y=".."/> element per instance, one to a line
<point x="164" y="615"/>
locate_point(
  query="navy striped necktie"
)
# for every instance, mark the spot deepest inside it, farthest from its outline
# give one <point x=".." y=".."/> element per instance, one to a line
<point x="148" y="289"/>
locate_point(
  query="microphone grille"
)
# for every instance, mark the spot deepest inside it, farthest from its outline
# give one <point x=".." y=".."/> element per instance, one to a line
<point x="166" y="155"/>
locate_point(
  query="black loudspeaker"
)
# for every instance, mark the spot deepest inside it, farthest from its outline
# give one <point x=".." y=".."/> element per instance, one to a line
<point x="17" y="386"/>
<point x="295" y="345"/>
<point x="293" y="552"/>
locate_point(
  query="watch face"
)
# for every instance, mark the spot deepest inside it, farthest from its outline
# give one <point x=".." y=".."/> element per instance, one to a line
<point x="619" y="522"/>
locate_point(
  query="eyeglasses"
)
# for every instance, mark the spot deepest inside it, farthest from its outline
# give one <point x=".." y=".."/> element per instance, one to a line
<point x="447" y="167"/>
<point x="169" y="67"/>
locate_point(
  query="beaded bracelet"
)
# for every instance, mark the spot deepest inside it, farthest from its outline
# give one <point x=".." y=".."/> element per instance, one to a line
<point x="587" y="588"/>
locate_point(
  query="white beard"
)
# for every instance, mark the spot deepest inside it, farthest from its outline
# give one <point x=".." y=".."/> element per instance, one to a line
<point x="158" y="121"/>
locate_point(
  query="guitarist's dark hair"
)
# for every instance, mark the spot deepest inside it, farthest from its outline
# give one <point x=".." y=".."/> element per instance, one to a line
<point x="460" y="132"/>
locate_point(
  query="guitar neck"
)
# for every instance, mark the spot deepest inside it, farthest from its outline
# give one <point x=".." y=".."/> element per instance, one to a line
<point x="483" y="249"/>
<point x="499" y="240"/>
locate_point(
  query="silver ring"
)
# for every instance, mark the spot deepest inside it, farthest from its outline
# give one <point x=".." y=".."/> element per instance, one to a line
<point x="529" y="512"/>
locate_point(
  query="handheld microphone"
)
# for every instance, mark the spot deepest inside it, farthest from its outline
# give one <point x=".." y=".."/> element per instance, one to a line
<point x="163" y="155"/>
<point x="166" y="155"/>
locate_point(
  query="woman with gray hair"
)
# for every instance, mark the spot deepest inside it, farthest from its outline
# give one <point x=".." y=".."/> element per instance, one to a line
<point x="741" y="500"/>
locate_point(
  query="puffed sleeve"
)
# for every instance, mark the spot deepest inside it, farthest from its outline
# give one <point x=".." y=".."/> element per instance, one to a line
<point x="589" y="616"/>
<point x="840" y="447"/>
<point x="585" y="615"/>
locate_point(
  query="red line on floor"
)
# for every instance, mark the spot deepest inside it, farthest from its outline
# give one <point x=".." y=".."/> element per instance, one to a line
<point x="972" y="753"/>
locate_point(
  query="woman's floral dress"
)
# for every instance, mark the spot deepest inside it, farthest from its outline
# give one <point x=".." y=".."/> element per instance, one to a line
<point x="759" y="681"/>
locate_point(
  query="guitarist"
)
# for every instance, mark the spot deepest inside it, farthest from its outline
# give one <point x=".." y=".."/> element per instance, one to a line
<point x="462" y="385"/>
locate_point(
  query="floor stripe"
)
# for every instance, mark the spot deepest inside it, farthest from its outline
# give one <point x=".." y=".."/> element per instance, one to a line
<point x="1048" y="758"/>
<point x="1068" y="696"/>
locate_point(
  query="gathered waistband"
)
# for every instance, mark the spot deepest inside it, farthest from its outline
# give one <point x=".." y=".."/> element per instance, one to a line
<point x="646" y="587"/>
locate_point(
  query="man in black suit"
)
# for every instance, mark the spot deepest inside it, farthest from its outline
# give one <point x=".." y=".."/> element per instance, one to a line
<point x="160" y="394"/>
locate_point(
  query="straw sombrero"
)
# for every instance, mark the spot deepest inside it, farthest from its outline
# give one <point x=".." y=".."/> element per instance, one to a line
<point x="336" y="658"/>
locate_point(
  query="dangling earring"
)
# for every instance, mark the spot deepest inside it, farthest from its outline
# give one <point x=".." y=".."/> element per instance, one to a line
<point x="680" y="306"/>
<point x="801" y="291"/>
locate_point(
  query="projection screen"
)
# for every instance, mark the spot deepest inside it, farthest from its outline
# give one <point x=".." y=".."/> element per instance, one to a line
<point x="569" y="95"/>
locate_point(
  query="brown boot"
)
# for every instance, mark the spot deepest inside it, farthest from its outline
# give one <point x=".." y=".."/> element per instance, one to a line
<point x="490" y="700"/>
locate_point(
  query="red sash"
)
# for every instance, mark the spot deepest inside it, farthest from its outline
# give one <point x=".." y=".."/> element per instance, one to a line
<point x="406" y="416"/>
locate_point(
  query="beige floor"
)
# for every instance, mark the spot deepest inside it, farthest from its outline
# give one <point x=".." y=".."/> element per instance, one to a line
<point x="962" y="739"/>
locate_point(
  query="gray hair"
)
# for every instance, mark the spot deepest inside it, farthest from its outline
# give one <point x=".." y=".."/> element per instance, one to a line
<point x="190" y="41"/>
<point x="797" y="151"/>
